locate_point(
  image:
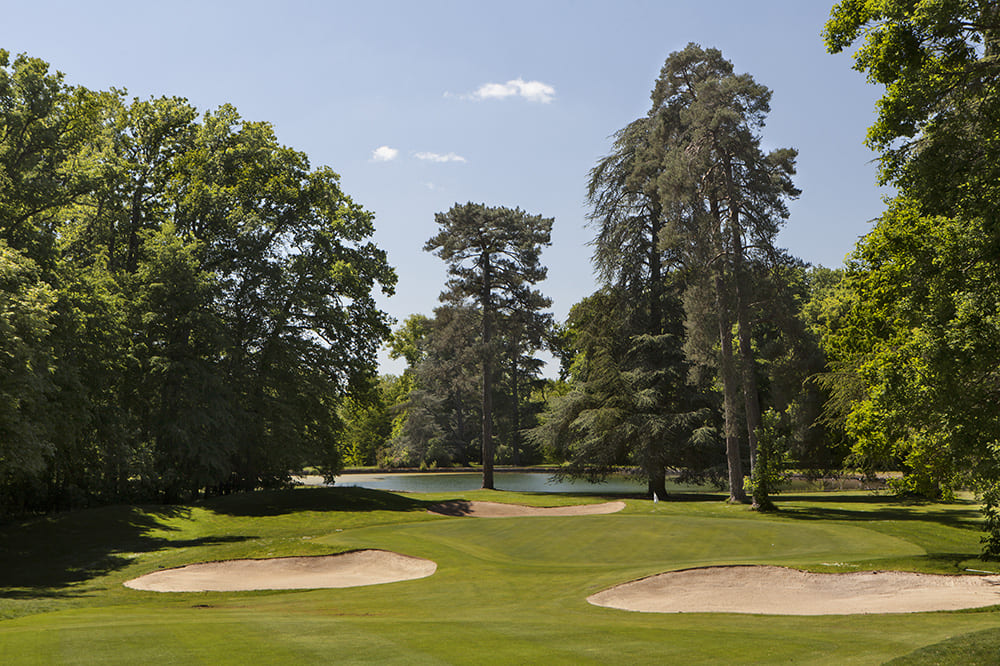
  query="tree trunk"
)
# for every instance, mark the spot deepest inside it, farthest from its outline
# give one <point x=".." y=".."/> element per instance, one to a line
<point x="728" y="374"/>
<point x="727" y="371"/>
<point x="657" y="484"/>
<point x="516" y="435"/>
<point x="747" y="358"/>
<point x="488" y="450"/>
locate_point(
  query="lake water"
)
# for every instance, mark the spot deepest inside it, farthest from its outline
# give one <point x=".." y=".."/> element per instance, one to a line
<point x="537" y="482"/>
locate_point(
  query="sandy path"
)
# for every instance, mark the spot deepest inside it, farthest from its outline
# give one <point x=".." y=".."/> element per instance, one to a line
<point x="780" y="591"/>
<point x="362" y="567"/>
<point x="499" y="510"/>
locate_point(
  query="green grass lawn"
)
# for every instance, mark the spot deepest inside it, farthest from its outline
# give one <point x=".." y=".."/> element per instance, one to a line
<point x="507" y="590"/>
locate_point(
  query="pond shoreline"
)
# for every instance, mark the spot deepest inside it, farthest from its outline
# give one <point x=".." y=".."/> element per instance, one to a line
<point x="449" y="470"/>
<point x="797" y="482"/>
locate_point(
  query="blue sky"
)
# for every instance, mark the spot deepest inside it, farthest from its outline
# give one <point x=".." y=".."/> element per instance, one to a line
<point x="504" y="103"/>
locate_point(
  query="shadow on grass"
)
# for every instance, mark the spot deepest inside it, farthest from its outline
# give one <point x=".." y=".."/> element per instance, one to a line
<point x="961" y="514"/>
<point x="679" y="496"/>
<point x="44" y="557"/>
<point x="47" y="556"/>
<point x="280" y="502"/>
<point x="980" y="647"/>
<point x="453" y="508"/>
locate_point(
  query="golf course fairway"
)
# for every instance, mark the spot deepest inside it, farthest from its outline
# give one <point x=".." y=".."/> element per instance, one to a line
<point x="505" y="590"/>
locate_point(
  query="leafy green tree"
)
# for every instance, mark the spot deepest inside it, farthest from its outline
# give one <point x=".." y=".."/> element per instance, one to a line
<point x="407" y="341"/>
<point x="368" y="420"/>
<point x="45" y="129"/>
<point x="630" y="216"/>
<point x="914" y="353"/>
<point x="187" y="408"/>
<point x="493" y="258"/>
<point x="100" y="453"/>
<point x="44" y="125"/>
<point x="824" y="315"/>
<point x="26" y="313"/>
<point x="914" y="356"/>
<point x="207" y="296"/>
<point x="523" y="332"/>
<point x="936" y="124"/>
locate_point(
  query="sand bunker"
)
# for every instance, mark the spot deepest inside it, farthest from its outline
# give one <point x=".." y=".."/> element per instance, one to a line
<point x="498" y="510"/>
<point x="780" y="591"/>
<point x="362" y="567"/>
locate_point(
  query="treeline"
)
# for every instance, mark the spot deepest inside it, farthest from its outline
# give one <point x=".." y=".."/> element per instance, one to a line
<point x="915" y="359"/>
<point x="710" y="351"/>
<point x="185" y="305"/>
<point x="184" y="302"/>
<point x="694" y="355"/>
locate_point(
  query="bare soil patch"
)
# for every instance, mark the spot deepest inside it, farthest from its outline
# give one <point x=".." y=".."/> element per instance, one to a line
<point x="780" y="591"/>
<point x="500" y="510"/>
<point x="362" y="567"/>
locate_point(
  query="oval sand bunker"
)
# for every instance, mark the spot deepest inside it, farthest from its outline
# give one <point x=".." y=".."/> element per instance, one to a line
<point x="500" y="510"/>
<point x="353" y="569"/>
<point x="772" y="590"/>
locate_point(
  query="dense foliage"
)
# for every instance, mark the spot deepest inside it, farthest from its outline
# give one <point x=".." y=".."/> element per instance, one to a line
<point x="686" y="208"/>
<point x="186" y="305"/>
<point x="915" y="359"/>
<point x="183" y="300"/>
<point x="629" y="404"/>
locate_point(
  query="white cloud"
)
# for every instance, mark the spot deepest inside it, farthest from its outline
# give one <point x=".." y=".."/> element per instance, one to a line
<point x="436" y="157"/>
<point x="384" y="154"/>
<point x="533" y="91"/>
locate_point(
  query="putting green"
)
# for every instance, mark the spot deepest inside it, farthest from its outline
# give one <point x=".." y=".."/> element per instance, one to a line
<point x="633" y="541"/>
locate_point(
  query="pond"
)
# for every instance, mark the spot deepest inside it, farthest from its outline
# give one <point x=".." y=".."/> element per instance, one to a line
<point x="533" y="482"/>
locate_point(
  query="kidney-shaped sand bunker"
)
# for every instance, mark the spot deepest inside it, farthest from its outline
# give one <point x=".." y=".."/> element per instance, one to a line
<point x="779" y="591"/>
<point x="352" y="569"/>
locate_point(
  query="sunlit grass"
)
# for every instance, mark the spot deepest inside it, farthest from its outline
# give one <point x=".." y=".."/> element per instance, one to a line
<point x="507" y="590"/>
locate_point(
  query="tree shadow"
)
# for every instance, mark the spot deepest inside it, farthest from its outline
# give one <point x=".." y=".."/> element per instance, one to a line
<point x="48" y="556"/>
<point x="963" y="514"/>
<point x="453" y="508"/>
<point x="677" y="496"/>
<point x="977" y="647"/>
<point x="280" y="502"/>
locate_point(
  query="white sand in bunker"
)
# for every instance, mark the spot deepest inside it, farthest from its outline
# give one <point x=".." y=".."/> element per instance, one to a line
<point x="779" y="591"/>
<point x="500" y="510"/>
<point x="353" y="569"/>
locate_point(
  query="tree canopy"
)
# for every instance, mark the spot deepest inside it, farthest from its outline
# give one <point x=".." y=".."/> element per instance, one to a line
<point x="493" y="257"/>
<point x="914" y="357"/>
<point x="185" y="300"/>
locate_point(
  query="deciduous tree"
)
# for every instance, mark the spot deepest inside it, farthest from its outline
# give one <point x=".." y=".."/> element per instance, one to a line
<point x="919" y="337"/>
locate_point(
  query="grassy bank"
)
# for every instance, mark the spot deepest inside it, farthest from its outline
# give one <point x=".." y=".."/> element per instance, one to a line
<point x="507" y="590"/>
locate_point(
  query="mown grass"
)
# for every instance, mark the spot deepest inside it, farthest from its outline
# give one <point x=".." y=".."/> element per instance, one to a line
<point x="510" y="590"/>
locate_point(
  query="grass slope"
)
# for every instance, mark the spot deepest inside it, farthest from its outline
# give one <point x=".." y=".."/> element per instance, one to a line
<point x="507" y="590"/>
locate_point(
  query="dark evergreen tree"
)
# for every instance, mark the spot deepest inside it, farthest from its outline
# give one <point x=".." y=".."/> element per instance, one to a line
<point x="493" y="258"/>
<point x="630" y="403"/>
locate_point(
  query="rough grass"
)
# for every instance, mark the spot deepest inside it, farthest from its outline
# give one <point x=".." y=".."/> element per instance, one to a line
<point x="509" y="590"/>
